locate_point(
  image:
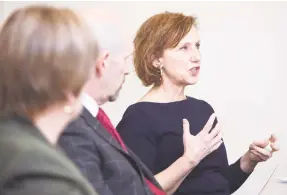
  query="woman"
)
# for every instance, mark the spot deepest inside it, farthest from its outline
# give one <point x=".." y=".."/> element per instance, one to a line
<point x="167" y="58"/>
<point x="46" y="55"/>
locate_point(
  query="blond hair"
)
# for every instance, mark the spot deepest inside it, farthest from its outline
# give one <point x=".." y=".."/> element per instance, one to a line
<point x="45" y="53"/>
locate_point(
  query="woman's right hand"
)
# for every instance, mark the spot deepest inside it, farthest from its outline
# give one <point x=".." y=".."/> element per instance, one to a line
<point x="198" y="147"/>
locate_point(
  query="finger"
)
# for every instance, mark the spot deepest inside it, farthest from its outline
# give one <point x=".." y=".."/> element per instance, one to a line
<point x="273" y="138"/>
<point x="216" y="140"/>
<point x="207" y="127"/>
<point x="268" y="147"/>
<point x="259" y="155"/>
<point x="261" y="143"/>
<point x="216" y="146"/>
<point x="215" y="131"/>
<point x="185" y="126"/>
<point x="262" y="151"/>
<point x="275" y="147"/>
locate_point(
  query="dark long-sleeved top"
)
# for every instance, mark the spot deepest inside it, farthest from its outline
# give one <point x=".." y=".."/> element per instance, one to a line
<point x="154" y="132"/>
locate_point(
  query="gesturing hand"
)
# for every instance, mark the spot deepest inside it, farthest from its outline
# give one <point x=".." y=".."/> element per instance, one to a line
<point x="198" y="147"/>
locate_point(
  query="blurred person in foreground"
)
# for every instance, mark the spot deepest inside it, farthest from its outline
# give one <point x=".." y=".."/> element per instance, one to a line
<point x="46" y="55"/>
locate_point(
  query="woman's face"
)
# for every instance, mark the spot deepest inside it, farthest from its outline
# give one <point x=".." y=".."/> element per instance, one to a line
<point x="181" y="65"/>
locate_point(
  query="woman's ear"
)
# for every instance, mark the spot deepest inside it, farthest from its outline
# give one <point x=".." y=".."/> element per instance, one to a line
<point x="156" y="62"/>
<point x="71" y="101"/>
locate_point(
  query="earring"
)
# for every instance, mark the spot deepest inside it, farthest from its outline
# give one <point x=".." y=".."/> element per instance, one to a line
<point x="68" y="109"/>
<point x="160" y="72"/>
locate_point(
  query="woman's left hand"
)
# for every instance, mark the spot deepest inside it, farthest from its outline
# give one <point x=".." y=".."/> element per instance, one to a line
<point x="258" y="152"/>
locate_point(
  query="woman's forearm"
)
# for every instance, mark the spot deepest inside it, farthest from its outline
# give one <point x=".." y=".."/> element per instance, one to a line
<point x="246" y="164"/>
<point x="171" y="177"/>
<point x="171" y="191"/>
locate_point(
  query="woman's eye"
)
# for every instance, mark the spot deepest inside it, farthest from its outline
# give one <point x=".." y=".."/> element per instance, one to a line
<point x="184" y="47"/>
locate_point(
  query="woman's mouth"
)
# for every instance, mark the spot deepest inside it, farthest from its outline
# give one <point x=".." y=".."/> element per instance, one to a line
<point x="195" y="70"/>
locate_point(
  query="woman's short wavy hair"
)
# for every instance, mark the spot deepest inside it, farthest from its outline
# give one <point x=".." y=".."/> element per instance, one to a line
<point x="159" y="32"/>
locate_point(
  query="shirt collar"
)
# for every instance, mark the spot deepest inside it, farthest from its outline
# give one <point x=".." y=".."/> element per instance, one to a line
<point x="90" y="104"/>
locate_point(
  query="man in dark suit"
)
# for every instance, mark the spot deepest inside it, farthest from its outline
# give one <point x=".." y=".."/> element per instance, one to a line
<point x="91" y="141"/>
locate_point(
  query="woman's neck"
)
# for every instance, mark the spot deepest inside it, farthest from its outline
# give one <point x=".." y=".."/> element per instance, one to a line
<point x="51" y="124"/>
<point x="165" y="94"/>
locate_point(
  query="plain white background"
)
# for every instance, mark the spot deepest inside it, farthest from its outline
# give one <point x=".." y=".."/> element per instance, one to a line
<point x="1" y="10"/>
<point x="244" y="62"/>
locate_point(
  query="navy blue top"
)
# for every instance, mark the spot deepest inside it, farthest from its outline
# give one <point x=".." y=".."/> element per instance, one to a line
<point x="154" y="132"/>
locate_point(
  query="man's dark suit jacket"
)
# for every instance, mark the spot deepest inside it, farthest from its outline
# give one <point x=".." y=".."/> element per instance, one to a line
<point x="102" y="160"/>
<point x="30" y="165"/>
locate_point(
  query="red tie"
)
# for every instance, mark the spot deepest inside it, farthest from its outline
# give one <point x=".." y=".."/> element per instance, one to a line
<point x="105" y="121"/>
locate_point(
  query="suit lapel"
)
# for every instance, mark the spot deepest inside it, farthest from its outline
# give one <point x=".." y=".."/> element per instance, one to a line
<point x="144" y="170"/>
<point x="100" y="130"/>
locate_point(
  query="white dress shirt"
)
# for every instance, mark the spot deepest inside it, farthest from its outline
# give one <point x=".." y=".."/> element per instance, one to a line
<point x="90" y="104"/>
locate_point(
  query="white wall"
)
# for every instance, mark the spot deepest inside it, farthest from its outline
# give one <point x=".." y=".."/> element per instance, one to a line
<point x="244" y="62"/>
<point x="1" y="10"/>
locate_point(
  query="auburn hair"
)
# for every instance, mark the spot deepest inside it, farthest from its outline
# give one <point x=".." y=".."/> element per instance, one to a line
<point x="159" y="32"/>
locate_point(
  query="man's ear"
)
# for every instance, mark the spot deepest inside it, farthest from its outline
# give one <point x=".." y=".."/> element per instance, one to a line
<point x="101" y="62"/>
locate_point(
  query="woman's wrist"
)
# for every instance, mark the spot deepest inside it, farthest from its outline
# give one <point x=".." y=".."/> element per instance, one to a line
<point x="246" y="164"/>
<point x="188" y="162"/>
